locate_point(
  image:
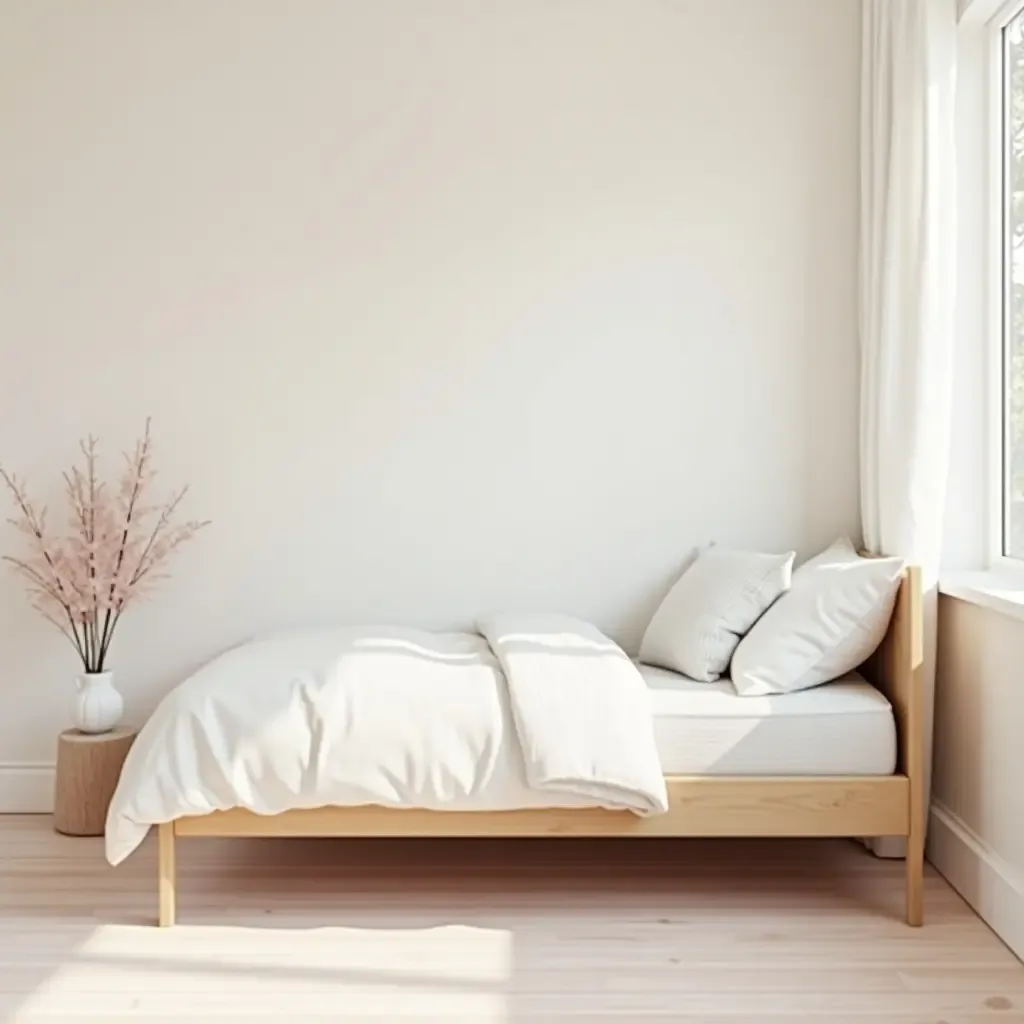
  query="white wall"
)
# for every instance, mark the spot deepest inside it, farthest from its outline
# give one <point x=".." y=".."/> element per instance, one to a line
<point x="967" y="516"/>
<point x="440" y="307"/>
<point x="977" y="12"/>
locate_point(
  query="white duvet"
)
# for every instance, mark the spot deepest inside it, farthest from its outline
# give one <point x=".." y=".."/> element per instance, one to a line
<point x="536" y="711"/>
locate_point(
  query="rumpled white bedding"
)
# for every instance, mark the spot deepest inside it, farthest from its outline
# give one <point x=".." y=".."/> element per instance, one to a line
<point x="582" y="711"/>
<point x="399" y="718"/>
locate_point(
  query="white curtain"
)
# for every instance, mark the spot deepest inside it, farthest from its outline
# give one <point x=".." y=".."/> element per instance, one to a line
<point x="908" y="278"/>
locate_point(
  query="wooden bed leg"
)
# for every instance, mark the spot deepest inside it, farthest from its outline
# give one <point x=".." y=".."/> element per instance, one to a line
<point x="912" y="658"/>
<point x="915" y="855"/>
<point x="915" y="876"/>
<point x="915" y="885"/>
<point x="167" y="873"/>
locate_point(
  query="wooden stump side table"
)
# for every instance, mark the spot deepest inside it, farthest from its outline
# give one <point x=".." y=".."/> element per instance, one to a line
<point x="88" y="767"/>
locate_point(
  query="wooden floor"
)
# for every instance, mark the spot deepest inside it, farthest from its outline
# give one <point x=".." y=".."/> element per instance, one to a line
<point x="482" y="931"/>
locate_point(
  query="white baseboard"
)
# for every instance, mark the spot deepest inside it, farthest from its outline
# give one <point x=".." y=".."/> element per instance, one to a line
<point x="26" y="788"/>
<point x="979" y="874"/>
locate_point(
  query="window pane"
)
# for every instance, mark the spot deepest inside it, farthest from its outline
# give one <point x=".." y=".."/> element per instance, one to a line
<point x="1013" y="288"/>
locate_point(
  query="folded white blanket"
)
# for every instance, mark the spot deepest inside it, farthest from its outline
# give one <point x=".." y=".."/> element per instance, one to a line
<point x="582" y="711"/>
<point x="397" y="718"/>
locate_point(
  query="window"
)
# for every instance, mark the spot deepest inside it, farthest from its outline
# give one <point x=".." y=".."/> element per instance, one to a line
<point x="1012" y="144"/>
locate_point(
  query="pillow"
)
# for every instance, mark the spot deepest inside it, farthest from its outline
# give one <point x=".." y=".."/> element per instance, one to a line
<point x="716" y="600"/>
<point x="830" y="621"/>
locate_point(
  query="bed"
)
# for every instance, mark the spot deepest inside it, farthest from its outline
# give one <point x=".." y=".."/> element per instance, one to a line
<point x="705" y="729"/>
<point x="841" y="760"/>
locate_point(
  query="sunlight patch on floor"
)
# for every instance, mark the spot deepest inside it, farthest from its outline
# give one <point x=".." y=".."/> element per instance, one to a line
<point x="452" y="971"/>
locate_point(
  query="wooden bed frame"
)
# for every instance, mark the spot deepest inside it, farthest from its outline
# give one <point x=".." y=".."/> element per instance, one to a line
<point x="849" y="806"/>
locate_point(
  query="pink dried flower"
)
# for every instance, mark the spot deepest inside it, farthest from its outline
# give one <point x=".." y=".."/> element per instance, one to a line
<point x="116" y="546"/>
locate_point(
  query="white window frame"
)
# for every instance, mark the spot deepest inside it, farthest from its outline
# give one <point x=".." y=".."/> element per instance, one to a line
<point x="996" y="300"/>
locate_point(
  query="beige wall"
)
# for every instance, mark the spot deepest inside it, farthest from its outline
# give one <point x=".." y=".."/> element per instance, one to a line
<point x="977" y="834"/>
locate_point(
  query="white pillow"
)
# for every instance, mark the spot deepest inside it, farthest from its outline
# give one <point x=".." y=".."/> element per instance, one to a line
<point x="830" y="621"/>
<point x="716" y="600"/>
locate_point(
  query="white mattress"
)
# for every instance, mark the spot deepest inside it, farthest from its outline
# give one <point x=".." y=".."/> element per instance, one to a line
<point x="843" y="728"/>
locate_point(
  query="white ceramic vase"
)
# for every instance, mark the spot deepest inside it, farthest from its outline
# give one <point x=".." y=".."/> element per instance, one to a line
<point x="98" y="706"/>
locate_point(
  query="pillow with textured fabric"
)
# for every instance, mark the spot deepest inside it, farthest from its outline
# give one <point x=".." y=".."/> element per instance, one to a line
<point x="831" y="620"/>
<point x="716" y="600"/>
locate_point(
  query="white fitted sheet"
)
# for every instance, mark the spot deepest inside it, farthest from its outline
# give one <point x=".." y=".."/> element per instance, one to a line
<point x="842" y="728"/>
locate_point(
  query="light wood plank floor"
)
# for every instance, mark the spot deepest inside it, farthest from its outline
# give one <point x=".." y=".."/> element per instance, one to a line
<point x="531" y="931"/>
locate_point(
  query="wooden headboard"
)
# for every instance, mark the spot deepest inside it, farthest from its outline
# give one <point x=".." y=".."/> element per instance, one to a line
<point x="896" y="670"/>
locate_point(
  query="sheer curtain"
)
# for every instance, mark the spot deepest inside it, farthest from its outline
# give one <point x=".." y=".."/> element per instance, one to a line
<point x="908" y="279"/>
